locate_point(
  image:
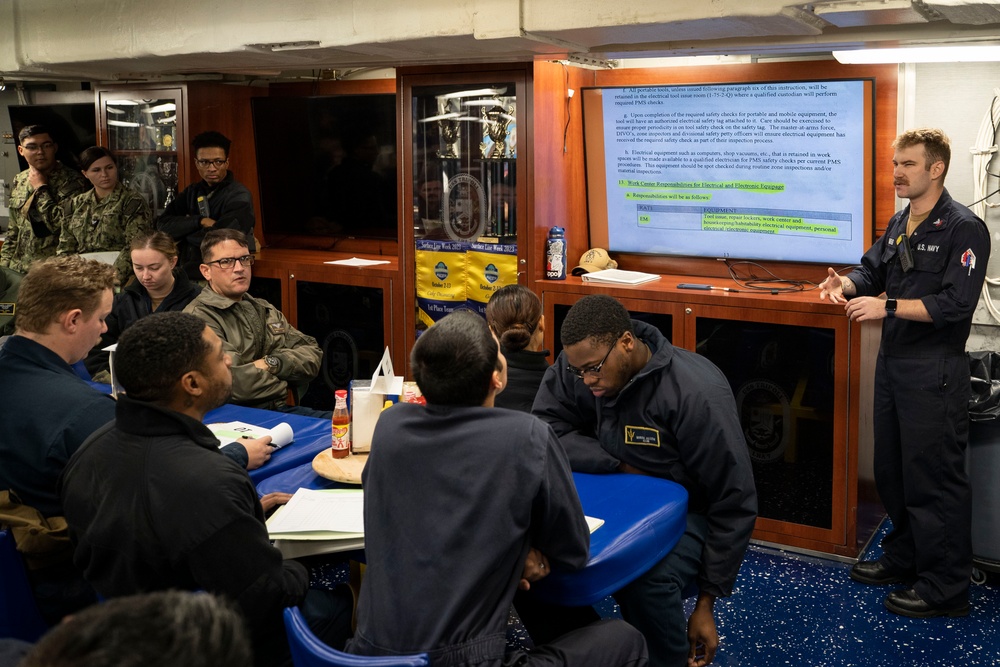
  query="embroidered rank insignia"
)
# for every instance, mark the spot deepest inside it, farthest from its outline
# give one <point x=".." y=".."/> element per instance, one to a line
<point x="7" y="308"/>
<point x="277" y="328"/>
<point x="937" y="223"/>
<point x="969" y="260"/>
<point x="642" y="435"/>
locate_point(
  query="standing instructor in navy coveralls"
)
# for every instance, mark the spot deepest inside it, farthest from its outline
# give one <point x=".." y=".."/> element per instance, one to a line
<point x="923" y="279"/>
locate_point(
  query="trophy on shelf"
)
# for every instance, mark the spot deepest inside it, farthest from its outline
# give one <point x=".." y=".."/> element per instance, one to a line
<point x="497" y="131"/>
<point x="168" y="172"/>
<point x="449" y="127"/>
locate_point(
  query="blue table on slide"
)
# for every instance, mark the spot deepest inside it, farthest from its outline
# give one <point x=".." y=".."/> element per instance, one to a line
<point x="644" y="517"/>
<point x="312" y="435"/>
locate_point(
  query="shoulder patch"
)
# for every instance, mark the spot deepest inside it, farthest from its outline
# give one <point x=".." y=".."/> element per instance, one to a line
<point x="969" y="260"/>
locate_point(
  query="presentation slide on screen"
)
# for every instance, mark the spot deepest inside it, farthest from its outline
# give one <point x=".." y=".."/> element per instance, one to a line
<point x="755" y="171"/>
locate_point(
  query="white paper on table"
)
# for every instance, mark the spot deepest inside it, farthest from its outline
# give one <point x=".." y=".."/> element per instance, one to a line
<point x="357" y="261"/>
<point x="312" y="510"/>
<point x="384" y="380"/>
<point x="228" y="432"/>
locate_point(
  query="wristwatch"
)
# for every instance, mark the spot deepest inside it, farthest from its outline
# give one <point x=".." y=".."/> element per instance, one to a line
<point x="273" y="364"/>
<point x="890" y="308"/>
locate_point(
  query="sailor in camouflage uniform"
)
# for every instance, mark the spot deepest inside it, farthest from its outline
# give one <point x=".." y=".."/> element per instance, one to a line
<point x="39" y="200"/>
<point x="107" y="218"/>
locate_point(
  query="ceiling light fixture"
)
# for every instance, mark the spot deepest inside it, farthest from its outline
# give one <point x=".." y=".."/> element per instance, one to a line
<point x="920" y="54"/>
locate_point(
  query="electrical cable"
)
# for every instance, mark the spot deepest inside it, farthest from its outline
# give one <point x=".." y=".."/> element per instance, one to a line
<point x="983" y="154"/>
<point x="768" y="282"/>
<point x="569" y="99"/>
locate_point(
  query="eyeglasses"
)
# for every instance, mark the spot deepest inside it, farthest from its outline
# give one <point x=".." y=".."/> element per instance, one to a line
<point x="36" y="148"/>
<point x="594" y="371"/>
<point x="218" y="162"/>
<point x="227" y="263"/>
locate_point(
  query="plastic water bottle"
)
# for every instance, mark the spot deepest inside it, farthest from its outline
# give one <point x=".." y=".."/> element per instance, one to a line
<point x="341" y="444"/>
<point x="555" y="254"/>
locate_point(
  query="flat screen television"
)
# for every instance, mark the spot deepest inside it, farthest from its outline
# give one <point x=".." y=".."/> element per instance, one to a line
<point x="74" y="127"/>
<point x="778" y="170"/>
<point x="327" y="166"/>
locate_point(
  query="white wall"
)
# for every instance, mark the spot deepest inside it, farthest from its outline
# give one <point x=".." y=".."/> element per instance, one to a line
<point x="955" y="97"/>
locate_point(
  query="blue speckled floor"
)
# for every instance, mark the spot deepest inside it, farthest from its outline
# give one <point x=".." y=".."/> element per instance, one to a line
<point x="796" y="610"/>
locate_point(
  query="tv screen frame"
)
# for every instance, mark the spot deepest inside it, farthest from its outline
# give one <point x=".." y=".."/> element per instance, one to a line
<point x="327" y="167"/>
<point x="760" y="157"/>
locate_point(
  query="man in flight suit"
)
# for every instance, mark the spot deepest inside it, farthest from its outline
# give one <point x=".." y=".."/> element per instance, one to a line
<point x="922" y="278"/>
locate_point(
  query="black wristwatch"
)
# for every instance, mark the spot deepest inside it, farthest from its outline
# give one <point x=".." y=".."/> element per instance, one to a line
<point x="273" y="364"/>
<point x="890" y="308"/>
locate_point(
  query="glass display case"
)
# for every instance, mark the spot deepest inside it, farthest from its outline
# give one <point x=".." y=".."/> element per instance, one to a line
<point x="465" y="162"/>
<point x="466" y="212"/>
<point x="141" y="127"/>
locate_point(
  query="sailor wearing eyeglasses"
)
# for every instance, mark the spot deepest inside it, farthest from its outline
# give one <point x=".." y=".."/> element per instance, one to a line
<point x="269" y="355"/>
<point x="39" y="200"/>
<point x="218" y="201"/>
<point x="622" y="398"/>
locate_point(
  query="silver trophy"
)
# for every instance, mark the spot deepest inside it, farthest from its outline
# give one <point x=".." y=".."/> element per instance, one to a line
<point x="496" y="129"/>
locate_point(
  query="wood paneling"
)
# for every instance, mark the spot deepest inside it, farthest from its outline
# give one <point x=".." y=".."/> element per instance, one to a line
<point x="560" y="184"/>
<point x="321" y="87"/>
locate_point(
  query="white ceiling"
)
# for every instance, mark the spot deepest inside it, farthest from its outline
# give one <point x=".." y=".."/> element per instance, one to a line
<point x="141" y="39"/>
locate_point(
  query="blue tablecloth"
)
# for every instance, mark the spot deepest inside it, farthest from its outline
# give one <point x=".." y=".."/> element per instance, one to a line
<point x="644" y="517"/>
<point x="312" y="435"/>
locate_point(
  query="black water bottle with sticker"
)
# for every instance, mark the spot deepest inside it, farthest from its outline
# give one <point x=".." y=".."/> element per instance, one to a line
<point x="555" y="254"/>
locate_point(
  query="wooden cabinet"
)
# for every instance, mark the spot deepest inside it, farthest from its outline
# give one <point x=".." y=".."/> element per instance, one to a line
<point x="350" y="311"/>
<point x="795" y="365"/>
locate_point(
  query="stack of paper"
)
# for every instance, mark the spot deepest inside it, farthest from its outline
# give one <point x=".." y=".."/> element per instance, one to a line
<point x="617" y="276"/>
<point x="319" y="521"/>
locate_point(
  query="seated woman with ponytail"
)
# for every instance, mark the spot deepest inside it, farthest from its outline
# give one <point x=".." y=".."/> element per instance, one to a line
<point x="515" y="315"/>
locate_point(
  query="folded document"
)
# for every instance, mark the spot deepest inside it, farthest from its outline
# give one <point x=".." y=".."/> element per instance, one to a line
<point x="228" y="432"/>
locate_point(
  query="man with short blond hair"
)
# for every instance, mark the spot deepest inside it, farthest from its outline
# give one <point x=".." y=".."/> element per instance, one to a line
<point x="46" y="409"/>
